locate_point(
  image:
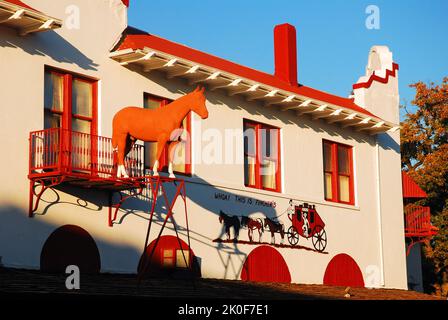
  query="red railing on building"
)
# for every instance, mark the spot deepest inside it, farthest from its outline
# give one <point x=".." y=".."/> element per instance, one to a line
<point x="59" y="151"/>
<point x="418" y="222"/>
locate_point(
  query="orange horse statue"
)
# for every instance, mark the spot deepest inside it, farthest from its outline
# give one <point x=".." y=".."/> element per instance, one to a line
<point x="154" y="125"/>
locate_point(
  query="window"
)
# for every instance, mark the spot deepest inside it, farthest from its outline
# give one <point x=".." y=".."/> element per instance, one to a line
<point x="180" y="260"/>
<point x="181" y="160"/>
<point x="69" y="102"/>
<point x="338" y="172"/>
<point x="168" y="258"/>
<point x="261" y="156"/>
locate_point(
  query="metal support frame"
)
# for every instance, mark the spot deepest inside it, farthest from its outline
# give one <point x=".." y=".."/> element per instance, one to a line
<point x="45" y="183"/>
<point x="155" y="184"/>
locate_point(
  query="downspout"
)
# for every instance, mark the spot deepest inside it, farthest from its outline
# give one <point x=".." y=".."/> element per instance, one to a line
<point x="379" y="213"/>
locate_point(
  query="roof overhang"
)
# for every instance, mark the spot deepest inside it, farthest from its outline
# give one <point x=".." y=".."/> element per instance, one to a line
<point x="149" y="59"/>
<point x="26" y="20"/>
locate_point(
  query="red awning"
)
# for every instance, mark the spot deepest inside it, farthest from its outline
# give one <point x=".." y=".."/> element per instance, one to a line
<point x="411" y="188"/>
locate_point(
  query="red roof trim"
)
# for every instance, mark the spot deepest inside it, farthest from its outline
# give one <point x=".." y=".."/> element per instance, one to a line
<point x="374" y="77"/>
<point x="21" y="4"/>
<point x="125" y="2"/>
<point x="411" y="188"/>
<point x="141" y="40"/>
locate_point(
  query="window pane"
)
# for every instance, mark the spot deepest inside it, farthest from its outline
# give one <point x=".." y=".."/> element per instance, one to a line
<point x="151" y="103"/>
<point x="167" y="258"/>
<point x="327" y="157"/>
<point x="344" y="188"/>
<point x="82" y="98"/>
<point x="269" y="139"/>
<point x="52" y="120"/>
<point x="249" y="140"/>
<point x="268" y="174"/>
<point x="180" y="260"/>
<point x="80" y="125"/>
<point x="328" y="186"/>
<point x="343" y="160"/>
<point x="249" y="171"/>
<point x="54" y="91"/>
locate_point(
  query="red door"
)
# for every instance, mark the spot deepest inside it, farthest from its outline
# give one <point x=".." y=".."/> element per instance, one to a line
<point x="70" y="245"/>
<point x="265" y="264"/>
<point x="343" y="270"/>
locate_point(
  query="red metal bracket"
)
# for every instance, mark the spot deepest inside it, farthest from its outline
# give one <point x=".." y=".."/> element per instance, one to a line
<point x="45" y="184"/>
<point x="117" y="206"/>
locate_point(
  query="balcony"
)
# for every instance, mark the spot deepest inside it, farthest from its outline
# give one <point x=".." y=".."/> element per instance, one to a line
<point x="418" y="222"/>
<point x="78" y="157"/>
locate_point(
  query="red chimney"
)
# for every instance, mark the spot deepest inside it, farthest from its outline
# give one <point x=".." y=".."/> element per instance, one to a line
<point x="285" y="51"/>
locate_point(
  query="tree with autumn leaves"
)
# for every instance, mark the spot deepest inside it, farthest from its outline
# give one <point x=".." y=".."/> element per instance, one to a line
<point x="424" y="155"/>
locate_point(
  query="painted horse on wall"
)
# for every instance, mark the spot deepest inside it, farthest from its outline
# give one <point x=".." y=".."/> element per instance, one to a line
<point x="251" y="225"/>
<point x="229" y="222"/>
<point x="154" y="125"/>
<point x="274" y="227"/>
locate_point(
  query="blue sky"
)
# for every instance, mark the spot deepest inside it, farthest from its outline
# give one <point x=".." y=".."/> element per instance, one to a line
<point x="333" y="41"/>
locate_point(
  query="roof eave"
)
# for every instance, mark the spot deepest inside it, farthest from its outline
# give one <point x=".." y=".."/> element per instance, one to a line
<point x="150" y="59"/>
<point x="26" y="20"/>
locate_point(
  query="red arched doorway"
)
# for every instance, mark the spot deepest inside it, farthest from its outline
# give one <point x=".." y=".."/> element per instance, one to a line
<point x="265" y="264"/>
<point x="70" y="245"/>
<point x="343" y="270"/>
<point x="169" y="259"/>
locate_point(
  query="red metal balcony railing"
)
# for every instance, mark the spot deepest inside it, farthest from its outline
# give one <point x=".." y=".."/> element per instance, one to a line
<point x="418" y="222"/>
<point x="58" y="151"/>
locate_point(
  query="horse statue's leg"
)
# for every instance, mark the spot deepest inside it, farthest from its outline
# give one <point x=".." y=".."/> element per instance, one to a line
<point x="171" y="152"/>
<point x="121" y="148"/>
<point x="160" y="145"/>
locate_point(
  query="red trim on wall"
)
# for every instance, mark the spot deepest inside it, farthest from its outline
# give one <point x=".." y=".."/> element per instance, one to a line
<point x="21" y="4"/>
<point x="140" y="41"/>
<point x="374" y="77"/>
<point x="343" y="270"/>
<point x="265" y="264"/>
<point x="411" y="188"/>
<point x="70" y="245"/>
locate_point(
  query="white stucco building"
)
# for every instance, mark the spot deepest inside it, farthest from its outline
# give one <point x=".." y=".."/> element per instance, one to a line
<point x="63" y="83"/>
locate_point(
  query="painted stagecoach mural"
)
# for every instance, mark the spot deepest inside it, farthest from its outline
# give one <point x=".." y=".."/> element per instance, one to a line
<point x="303" y="221"/>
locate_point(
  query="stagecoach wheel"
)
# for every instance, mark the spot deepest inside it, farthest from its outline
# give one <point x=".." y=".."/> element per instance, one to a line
<point x="319" y="238"/>
<point x="293" y="236"/>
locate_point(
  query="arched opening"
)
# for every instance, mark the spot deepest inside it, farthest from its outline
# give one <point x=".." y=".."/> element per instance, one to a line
<point x="343" y="270"/>
<point x="170" y="259"/>
<point x="265" y="264"/>
<point x="70" y="245"/>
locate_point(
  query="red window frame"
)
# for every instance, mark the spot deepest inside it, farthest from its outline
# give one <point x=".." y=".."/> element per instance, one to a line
<point x="335" y="189"/>
<point x="67" y="110"/>
<point x="66" y="113"/>
<point x="163" y="161"/>
<point x="258" y="156"/>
